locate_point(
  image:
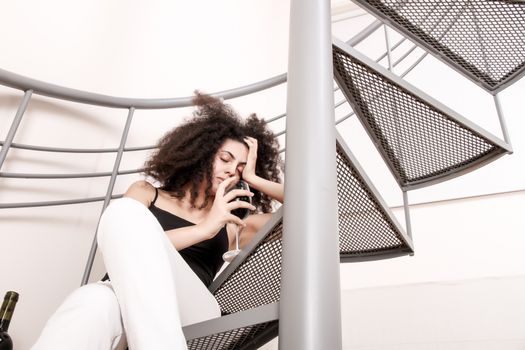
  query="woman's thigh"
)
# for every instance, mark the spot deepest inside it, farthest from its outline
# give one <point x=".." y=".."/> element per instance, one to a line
<point x="89" y="318"/>
<point x="196" y="303"/>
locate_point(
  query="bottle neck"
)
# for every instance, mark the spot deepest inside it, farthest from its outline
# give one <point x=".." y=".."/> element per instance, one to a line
<point x="6" y="312"/>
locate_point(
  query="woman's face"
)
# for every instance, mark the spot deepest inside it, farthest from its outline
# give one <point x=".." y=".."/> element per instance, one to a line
<point x="229" y="161"/>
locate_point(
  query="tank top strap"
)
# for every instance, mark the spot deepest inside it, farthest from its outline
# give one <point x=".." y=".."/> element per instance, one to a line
<point x="156" y="195"/>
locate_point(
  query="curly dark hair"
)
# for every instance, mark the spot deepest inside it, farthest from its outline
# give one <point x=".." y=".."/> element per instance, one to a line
<point x="184" y="157"/>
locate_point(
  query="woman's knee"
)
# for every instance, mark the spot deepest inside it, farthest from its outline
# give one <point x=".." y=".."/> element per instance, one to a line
<point x="89" y="318"/>
<point x="111" y="223"/>
<point x="123" y="219"/>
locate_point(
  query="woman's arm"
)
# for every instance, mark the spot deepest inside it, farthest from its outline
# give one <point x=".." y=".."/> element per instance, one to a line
<point x="272" y="189"/>
<point x="181" y="238"/>
<point x="141" y="191"/>
<point x="187" y="236"/>
<point x="253" y="224"/>
<point x="216" y="218"/>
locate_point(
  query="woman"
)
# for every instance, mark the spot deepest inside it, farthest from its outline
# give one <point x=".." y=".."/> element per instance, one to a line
<point x="163" y="246"/>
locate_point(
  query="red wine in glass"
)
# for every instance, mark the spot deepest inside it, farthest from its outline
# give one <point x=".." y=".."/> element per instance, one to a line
<point x="241" y="213"/>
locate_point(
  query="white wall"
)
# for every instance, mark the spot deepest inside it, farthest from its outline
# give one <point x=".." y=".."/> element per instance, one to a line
<point x="463" y="289"/>
<point x="481" y="314"/>
<point x="168" y="49"/>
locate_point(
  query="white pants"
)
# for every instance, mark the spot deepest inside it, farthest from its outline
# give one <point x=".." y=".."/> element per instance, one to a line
<point x="152" y="293"/>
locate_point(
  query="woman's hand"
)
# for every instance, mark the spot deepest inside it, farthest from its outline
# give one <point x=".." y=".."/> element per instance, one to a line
<point x="270" y="188"/>
<point x="220" y="212"/>
<point x="248" y="173"/>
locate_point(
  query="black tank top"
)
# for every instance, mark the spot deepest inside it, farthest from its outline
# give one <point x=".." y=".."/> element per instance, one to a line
<point x="204" y="258"/>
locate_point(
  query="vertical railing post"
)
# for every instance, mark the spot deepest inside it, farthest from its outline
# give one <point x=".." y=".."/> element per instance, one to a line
<point x="502" y="122"/>
<point x="310" y="308"/>
<point x="388" y="49"/>
<point x="406" y="208"/>
<point x="14" y="126"/>
<point x="109" y="192"/>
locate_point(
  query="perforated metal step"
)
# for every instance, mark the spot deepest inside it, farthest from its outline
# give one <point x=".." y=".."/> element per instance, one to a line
<point x="241" y="331"/>
<point x="482" y="39"/>
<point x="367" y="228"/>
<point x="421" y="140"/>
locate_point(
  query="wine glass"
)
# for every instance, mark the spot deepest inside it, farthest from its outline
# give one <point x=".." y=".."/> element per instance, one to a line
<point x="241" y="213"/>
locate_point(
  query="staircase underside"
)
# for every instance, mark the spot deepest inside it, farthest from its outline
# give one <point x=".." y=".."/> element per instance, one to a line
<point x="482" y="39"/>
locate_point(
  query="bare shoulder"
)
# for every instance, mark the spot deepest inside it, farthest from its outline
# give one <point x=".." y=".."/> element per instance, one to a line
<point x="142" y="191"/>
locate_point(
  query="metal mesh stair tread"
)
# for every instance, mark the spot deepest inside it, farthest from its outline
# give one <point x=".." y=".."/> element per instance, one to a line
<point x="421" y="140"/>
<point x="483" y="40"/>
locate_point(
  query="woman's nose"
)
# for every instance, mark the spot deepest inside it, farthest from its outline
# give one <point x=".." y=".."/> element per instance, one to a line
<point x="231" y="170"/>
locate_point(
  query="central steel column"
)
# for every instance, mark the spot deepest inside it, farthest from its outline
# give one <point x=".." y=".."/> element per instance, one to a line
<point x="310" y="311"/>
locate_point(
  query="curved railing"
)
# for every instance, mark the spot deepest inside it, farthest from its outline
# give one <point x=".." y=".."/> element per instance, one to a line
<point x="23" y="83"/>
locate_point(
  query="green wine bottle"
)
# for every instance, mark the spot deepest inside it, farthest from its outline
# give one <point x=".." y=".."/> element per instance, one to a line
<point x="6" y="313"/>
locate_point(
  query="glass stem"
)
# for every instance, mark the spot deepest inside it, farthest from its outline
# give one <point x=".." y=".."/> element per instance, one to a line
<point x="237" y="233"/>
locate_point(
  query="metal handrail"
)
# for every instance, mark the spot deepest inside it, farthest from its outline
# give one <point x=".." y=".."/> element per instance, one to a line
<point x="39" y="87"/>
<point x="67" y="176"/>
<point x="77" y="150"/>
<point x="54" y="203"/>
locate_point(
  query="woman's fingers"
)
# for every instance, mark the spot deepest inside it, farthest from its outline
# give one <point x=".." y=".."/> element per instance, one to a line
<point x="239" y="204"/>
<point x="249" y="139"/>
<point x="237" y="193"/>
<point x="252" y="146"/>
<point x="249" y="169"/>
<point x="235" y="220"/>
<point x="224" y="185"/>
<point x="225" y="202"/>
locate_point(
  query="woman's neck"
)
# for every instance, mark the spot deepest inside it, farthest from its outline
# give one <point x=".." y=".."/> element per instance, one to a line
<point x="187" y="204"/>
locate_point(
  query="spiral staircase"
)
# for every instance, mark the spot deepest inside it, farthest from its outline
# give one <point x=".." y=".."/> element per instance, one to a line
<point x="421" y="141"/>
